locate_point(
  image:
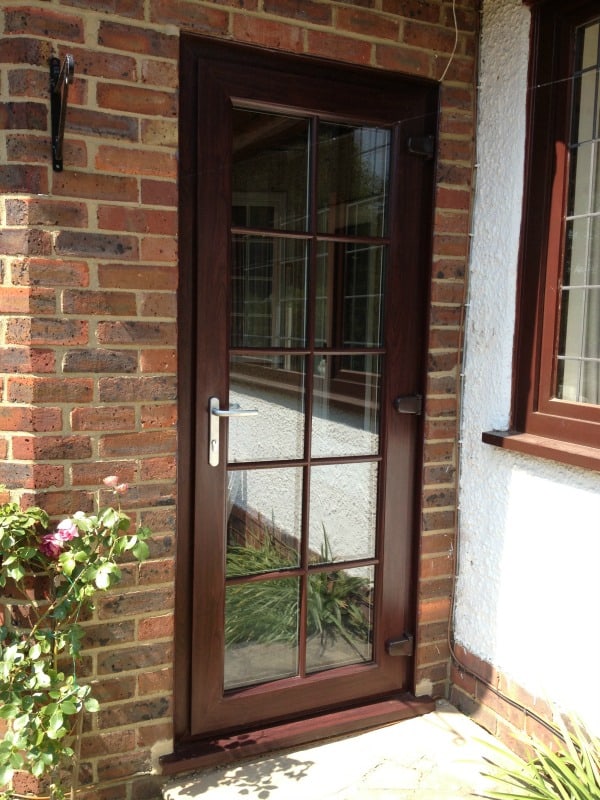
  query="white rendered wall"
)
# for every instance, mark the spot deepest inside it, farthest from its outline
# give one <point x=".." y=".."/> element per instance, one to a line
<point x="528" y="594"/>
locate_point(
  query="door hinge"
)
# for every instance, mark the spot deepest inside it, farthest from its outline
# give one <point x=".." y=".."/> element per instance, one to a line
<point x="422" y="145"/>
<point x="404" y="646"/>
<point x="409" y="404"/>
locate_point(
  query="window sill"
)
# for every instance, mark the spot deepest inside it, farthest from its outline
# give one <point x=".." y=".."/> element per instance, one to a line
<point x="528" y="443"/>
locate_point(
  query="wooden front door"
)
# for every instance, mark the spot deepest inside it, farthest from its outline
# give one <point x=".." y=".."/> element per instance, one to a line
<point x="305" y="240"/>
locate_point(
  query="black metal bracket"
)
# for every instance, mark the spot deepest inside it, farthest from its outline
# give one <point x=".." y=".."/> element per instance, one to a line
<point x="60" y="79"/>
<point x="422" y="146"/>
<point x="404" y="646"/>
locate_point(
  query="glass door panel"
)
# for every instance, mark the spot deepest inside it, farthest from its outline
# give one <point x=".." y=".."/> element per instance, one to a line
<point x="353" y="179"/>
<point x="270" y="167"/>
<point x="340" y="618"/>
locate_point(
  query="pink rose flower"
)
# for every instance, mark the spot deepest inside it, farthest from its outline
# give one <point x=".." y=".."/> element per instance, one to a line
<point x="52" y="544"/>
<point x="67" y="530"/>
<point x="121" y="488"/>
<point x="111" y="481"/>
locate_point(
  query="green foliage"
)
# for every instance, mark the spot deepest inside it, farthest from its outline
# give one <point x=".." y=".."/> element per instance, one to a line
<point x="267" y="611"/>
<point x="41" y="697"/>
<point x="570" y="773"/>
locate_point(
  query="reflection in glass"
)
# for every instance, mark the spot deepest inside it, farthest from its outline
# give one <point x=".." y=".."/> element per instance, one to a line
<point x="261" y="632"/>
<point x="268" y="285"/>
<point x="264" y="520"/>
<point x="350" y="283"/>
<point x="339" y="619"/>
<point x="346" y="406"/>
<point x="270" y="170"/>
<point x="352" y="180"/>
<point x="274" y="386"/>
<point x="343" y="507"/>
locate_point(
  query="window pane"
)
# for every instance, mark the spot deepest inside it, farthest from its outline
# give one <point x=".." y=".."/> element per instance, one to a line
<point x="261" y="632"/>
<point x="275" y="388"/>
<point x="346" y="406"/>
<point x="343" y="512"/>
<point x="269" y="277"/>
<point x="350" y="283"/>
<point x="339" y="618"/>
<point x="578" y="353"/>
<point x="270" y="168"/>
<point x="264" y="520"/>
<point x="353" y="166"/>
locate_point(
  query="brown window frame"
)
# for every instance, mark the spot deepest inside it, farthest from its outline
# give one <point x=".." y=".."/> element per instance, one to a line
<point x="542" y="424"/>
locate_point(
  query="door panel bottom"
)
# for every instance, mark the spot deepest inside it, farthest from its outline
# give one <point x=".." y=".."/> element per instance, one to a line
<point x="227" y="749"/>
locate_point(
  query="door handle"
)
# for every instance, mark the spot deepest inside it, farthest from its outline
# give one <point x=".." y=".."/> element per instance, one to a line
<point x="214" y="415"/>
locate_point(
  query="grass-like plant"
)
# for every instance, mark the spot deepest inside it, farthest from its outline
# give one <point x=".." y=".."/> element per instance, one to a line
<point x="266" y="611"/>
<point x="569" y="772"/>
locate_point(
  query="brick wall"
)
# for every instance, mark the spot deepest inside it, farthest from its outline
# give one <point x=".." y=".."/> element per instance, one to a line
<point x="88" y="275"/>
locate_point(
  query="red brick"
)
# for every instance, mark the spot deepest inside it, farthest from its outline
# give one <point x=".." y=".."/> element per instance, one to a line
<point x="31" y="149"/>
<point x="138" y="277"/>
<point x="428" y="37"/>
<point x="130" y="161"/>
<point x="302" y="10"/>
<point x="103" y="418"/>
<point x="27" y="301"/>
<point x="109" y="690"/>
<point x="96" y="187"/>
<point x="404" y="59"/>
<point x="33" y="271"/>
<point x="121" y="766"/>
<point x="24" y="115"/>
<point x="137" y="332"/>
<point x="107" y="742"/>
<point x="92" y="474"/>
<point x="38" y="211"/>
<point x="99" y="360"/>
<point x="49" y="390"/>
<point x="343" y="48"/>
<point x="424" y="10"/>
<point x="46" y="330"/>
<point x="52" y="448"/>
<point x="437" y="543"/>
<point x="22" y="418"/>
<point x="367" y="23"/>
<point x="439" y="451"/>
<point x="160" y="132"/>
<point x="96" y="303"/>
<point x="137" y="40"/>
<point x="101" y="123"/>
<point x="96" y="245"/>
<point x="152" y="469"/>
<point x="159" y="193"/>
<point x="436" y="567"/>
<point x="432" y="653"/>
<point x="434" y="609"/>
<point x="138" y="220"/>
<point x="146" y="389"/>
<point x="136" y="99"/>
<point x="65" y="502"/>
<point x="193" y="16"/>
<point x="267" y="33"/>
<point x="135" y="603"/>
<point x="19" y="241"/>
<point x="159" y="73"/>
<point x="126" y="714"/>
<point x="159" y="248"/>
<point x="158" y="304"/>
<point x="122" y="8"/>
<point x="101" y="64"/>
<point x="159" y="416"/>
<point x="44" y="22"/>
<point x="156" y="628"/>
<point x="138" y="444"/>
<point x="19" y="178"/>
<point x="158" y="361"/>
<point x="23" y="50"/>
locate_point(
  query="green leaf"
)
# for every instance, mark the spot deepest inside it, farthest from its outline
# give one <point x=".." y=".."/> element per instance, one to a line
<point x="92" y="705"/>
<point x="141" y="551"/>
<point x="6" y="774"/>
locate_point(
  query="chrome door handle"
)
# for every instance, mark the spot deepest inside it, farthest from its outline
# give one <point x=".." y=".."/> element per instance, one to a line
<point x="214" y="415"/>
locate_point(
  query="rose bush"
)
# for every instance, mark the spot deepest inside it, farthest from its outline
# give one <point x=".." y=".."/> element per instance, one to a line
<point x="48" y="578"/>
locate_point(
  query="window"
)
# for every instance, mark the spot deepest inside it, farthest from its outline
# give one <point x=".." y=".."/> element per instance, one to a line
<point x="556" y="409"/>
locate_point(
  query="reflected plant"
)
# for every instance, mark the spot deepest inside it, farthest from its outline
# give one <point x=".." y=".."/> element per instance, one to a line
<point x="266" y="610"/>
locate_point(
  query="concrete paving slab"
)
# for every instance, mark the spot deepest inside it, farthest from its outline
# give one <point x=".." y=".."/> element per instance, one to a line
<point x="439" y="756"/>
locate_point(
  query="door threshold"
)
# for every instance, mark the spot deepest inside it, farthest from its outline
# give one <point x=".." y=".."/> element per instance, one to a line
<point x="218" y="751"/>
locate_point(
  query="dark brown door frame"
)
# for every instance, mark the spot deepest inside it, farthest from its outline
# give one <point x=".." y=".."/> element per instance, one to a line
<point x="196" y="343"/>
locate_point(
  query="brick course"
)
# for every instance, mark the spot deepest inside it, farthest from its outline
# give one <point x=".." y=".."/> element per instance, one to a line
<point x="88" y="276"/>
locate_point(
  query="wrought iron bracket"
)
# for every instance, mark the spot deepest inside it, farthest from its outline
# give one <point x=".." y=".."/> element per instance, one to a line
<point x="60" y="79"/>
